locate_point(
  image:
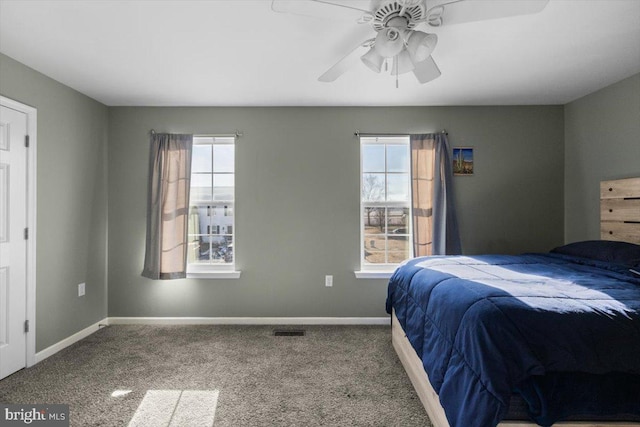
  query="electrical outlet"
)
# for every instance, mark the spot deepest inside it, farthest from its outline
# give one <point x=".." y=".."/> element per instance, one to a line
<point x="81" y="289"/>
<point x="328" y="281"/>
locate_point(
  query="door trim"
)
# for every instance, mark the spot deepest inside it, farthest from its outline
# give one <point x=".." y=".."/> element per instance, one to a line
<point x="32" y="131"/>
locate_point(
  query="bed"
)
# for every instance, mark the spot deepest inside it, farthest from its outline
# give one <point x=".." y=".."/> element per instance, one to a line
<point x="549" y="338"/>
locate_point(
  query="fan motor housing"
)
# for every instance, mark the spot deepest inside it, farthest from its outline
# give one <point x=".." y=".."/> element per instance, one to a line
<point x="386" y="10"/>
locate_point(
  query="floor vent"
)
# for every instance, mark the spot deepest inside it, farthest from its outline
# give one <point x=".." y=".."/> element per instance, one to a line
<point x="288" y="332"/>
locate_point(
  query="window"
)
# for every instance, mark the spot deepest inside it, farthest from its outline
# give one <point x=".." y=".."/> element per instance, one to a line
<point x="385" y="202"/>
<point x="211" y="219"/>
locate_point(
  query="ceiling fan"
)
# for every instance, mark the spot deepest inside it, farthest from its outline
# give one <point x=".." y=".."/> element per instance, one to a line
<point x="397" y="40"/>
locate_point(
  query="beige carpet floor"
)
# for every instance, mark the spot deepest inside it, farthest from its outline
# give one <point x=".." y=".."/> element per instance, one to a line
<point x="225" y="375"/>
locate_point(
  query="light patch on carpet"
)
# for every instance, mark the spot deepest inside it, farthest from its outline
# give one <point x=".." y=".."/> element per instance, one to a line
<point x="195" y="408"/>
<point x="176" y="408"/>
<point x="120" y="393"/>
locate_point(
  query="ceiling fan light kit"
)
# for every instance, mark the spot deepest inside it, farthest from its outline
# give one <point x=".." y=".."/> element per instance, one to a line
<point x="389" y="43"/>
<point x="426" y="71"/>
<point x="395" y="20"/>
<point x="421" y="45"/>
<point x="373" y="60"/>
<point x="403" y="63"/>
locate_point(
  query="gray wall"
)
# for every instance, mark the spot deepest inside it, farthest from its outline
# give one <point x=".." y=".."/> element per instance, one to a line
<point x="602" y="142"/>
<point x="72" y="201"/>
<point x="297" y="203"/>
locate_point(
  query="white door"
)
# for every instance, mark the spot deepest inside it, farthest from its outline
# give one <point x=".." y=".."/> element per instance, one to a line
<point x="13" y="243"/>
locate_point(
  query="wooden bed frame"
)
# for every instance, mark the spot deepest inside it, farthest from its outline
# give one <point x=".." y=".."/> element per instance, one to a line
<point x="619" y="219"/>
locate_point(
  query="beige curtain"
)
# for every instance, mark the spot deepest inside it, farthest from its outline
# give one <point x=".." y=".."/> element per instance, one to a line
<point x="168" y="206"/>
<point x="435" y="226"/>
<point x="422" y="166"/>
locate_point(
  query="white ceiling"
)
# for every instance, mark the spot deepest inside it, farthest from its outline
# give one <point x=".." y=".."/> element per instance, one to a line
<point x="241" y="53"/>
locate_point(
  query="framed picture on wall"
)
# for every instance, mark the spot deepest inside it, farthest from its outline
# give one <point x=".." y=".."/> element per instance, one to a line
<point x="463" y="161"/>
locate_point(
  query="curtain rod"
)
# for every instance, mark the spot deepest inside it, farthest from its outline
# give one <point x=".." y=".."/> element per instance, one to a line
<point x="236" y="134"/>
<point x="358" y="133"/>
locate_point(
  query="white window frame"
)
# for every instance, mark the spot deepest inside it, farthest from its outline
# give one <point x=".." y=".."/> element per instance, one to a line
<point x="218" y="271"/>
<point x="381" y="271"/>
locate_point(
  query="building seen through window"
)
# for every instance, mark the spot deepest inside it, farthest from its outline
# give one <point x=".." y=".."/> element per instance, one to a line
<point x="211" y="215"/>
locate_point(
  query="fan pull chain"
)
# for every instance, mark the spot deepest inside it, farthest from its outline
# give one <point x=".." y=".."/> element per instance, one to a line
<point x="396" y="64"/>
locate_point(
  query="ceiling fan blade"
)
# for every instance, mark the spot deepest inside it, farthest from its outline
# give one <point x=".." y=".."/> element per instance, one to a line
<point x="426" y="70"/>
<point x="348" y="61"/>
<point x="459" y="11"/>
<point x="333" y="9"/>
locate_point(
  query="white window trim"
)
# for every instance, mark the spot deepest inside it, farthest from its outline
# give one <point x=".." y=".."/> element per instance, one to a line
<point x="370" y="274"/>
<point x="218" y="271"/>
<point x="379" y="271"/>
<point x="210" y="274"/>
<point x="221" y="271"/>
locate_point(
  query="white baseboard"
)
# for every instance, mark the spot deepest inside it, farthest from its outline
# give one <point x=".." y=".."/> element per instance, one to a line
<point x="249" y="321"/>
<point x="51" y="350"/>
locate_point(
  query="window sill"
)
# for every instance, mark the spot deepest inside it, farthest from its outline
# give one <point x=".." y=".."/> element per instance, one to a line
<point x="214" y="275"/>
<point x="372" y="274"/>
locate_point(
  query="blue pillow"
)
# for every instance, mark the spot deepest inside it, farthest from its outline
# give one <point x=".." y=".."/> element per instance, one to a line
<point x="603" y="250"/>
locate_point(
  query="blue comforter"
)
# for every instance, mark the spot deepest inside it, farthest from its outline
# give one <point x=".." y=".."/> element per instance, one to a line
<point x="485" y="326"/>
